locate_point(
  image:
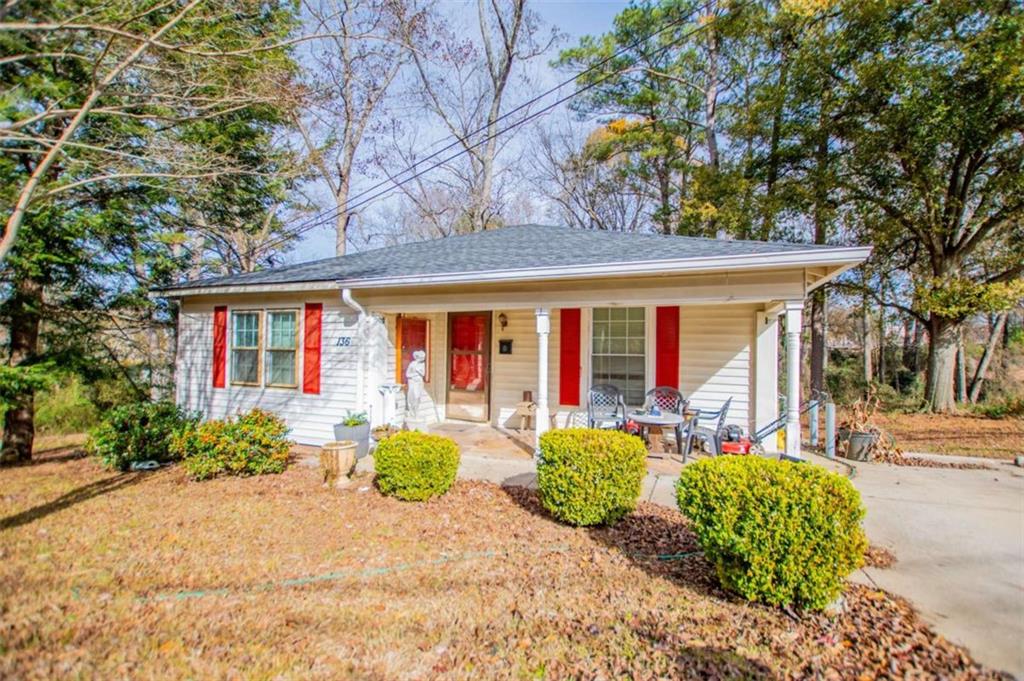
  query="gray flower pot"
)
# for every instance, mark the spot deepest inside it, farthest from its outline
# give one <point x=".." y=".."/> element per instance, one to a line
<point x="860" y="445"/>
<point x="360" y="434"/>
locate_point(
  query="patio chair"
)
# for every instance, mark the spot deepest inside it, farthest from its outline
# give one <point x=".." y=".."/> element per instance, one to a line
<point x="688" y="432"/>
<point x="605" y="407"/>
<point x="711" y="437"/>
<point x="672" y="401"/>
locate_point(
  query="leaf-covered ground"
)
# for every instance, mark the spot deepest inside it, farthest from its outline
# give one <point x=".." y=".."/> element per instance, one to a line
<point x="149" y="575"/>
<point x="964" y="435"/>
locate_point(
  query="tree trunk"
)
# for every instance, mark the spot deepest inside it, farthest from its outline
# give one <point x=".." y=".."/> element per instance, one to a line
<point x="986" y="357"/>
<point x="819" y="340"/>
<point x="961" y="371"/>
<point x="343" y="216"/>
<point x="918" y="340"/>
<point x="942" y="336"/>
<point x="881" y="345"/>
<point x="865" y="327"/>
<point x="19" y="421"/>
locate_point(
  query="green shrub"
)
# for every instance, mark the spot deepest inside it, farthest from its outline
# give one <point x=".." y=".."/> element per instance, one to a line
<point x="253" y="443"/>
<point x="588" y="476"/>
<point x="416" y="466"/>
<point x="777" y="532"/>
<point x="138" y="432"/>
<point x="1000" y="408"/>
<point x="65" y="408"/>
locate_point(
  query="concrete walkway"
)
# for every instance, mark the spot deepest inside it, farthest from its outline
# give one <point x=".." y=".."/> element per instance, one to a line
<point x="958" y="536"/>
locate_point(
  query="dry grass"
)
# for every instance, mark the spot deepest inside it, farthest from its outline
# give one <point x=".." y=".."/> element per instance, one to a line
<point x="148" y="575"/>
<point x="961" y="434"/>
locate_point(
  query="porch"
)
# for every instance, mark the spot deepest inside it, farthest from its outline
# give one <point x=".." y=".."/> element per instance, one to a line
<point x="522" y="371"/>
<point x="486" y="442"/>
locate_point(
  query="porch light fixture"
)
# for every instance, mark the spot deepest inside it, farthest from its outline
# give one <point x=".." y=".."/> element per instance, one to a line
<point x="503" y="320"/>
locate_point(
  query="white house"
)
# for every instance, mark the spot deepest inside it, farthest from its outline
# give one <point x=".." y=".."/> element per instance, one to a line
<point x="550" y="310"/>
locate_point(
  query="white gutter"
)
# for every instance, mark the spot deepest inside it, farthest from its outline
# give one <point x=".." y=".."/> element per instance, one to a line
<point x="845" y="256"/>
<point x="346" y="297"/>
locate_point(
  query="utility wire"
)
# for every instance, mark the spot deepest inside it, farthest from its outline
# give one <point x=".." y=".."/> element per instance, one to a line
<point x="354" y="203"/>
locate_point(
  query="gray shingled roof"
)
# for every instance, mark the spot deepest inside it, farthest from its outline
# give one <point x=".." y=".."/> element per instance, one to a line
<point x="509" y="248"/>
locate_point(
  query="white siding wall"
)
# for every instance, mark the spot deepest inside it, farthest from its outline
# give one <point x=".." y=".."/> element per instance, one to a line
<point x="512" y="374"/>
<point x="311" y="417"/>
<point x="715" y="357"/>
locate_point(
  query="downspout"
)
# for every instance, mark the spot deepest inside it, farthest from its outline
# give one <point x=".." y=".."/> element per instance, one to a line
<point x="346" y="297"/>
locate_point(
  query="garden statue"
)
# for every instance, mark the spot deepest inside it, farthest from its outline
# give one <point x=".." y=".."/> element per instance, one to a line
<point x="414" y="377"/>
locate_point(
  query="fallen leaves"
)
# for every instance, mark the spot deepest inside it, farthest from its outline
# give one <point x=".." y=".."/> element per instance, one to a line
<point x="300" y="582"/>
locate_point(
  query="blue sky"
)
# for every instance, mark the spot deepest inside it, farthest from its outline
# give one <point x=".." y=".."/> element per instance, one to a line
<point x="574" y="18"/>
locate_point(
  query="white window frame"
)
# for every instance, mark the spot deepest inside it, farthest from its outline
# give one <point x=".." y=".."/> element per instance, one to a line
<point x="267" y="349"/>
<point x="259" y="346"/>
<point x="587" y="339"/>
<point x="262" y="348"/>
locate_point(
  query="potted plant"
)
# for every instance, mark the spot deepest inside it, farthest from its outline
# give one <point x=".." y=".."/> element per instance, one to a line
<point x="857" y="435"/>
<point x="355" y="427"/>
<point x="381" y="433"/>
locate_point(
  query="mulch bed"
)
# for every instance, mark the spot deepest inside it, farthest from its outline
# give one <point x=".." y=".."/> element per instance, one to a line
<point x="150" y="575"/>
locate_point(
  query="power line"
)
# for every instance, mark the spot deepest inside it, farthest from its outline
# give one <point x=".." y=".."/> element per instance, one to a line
<point x="354" y="203"/>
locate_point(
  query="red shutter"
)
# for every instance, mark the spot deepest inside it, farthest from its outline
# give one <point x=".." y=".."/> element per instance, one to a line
<point x="569" y="357"/>
<point x="311" y="349"/>
<point x="666" y="365"/>
<point x="220" y="345"/>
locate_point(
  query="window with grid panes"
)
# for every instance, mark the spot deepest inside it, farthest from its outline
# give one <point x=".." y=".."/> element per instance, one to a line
<point x="282" y="347"/>
<point x="619" y="351"/>
<point x="245" y="348"/>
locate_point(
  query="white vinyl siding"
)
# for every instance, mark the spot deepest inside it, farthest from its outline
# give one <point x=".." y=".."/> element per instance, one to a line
<point x="310" y="417"/>
<point x="715" y="357"/>
<point x="512" y="374"/>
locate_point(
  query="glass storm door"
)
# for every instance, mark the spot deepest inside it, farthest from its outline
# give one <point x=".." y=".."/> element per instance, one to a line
<point x="469" y="365"/>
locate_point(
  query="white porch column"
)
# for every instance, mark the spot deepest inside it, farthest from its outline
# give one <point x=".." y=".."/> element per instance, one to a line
<point x="542" y="417"/>
<point x="766" y="374"/>
<point x="794" y="310"/>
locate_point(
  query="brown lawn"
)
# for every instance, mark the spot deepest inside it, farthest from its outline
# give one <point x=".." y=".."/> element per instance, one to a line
<point x="961" y="434"/>
<point x="106" y="575"/>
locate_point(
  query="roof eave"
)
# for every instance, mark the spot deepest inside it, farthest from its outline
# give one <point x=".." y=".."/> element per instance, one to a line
<point x="845" y="256"/>
<point x="842" y="257"/>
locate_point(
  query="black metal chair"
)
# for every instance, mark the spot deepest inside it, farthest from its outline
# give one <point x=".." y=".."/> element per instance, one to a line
<point x="605" y="406"/>
<point x="712" y="436"/>
<point x="672" y="401"/>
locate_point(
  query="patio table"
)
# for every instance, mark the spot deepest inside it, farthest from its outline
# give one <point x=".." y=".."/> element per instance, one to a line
<point x="647" y="422"/>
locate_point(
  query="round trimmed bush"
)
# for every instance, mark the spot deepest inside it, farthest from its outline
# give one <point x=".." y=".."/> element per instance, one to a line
<point x="588" y="476"/>
<point x="415" y="466"/>
<point x="777" y="532"/>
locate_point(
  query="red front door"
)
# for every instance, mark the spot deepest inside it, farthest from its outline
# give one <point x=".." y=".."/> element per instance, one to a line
<point x="469" y="365"/>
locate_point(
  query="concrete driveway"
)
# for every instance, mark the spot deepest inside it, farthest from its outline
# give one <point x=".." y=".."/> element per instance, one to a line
<point x="958" y="537"/>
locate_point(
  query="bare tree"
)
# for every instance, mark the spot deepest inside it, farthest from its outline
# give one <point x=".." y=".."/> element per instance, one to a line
<point x="465" y="84"/>
<point x="351" y="72"/>
<point x="585" y="191"/>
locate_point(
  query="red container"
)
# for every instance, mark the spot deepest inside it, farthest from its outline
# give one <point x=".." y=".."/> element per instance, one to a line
<point x="741" y="447"/>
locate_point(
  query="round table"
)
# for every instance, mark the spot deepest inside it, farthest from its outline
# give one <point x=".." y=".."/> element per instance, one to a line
<point x="659" y="422"/>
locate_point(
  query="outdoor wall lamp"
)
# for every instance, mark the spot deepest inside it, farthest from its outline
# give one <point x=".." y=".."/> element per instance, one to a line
<point x="503" y="320"/>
